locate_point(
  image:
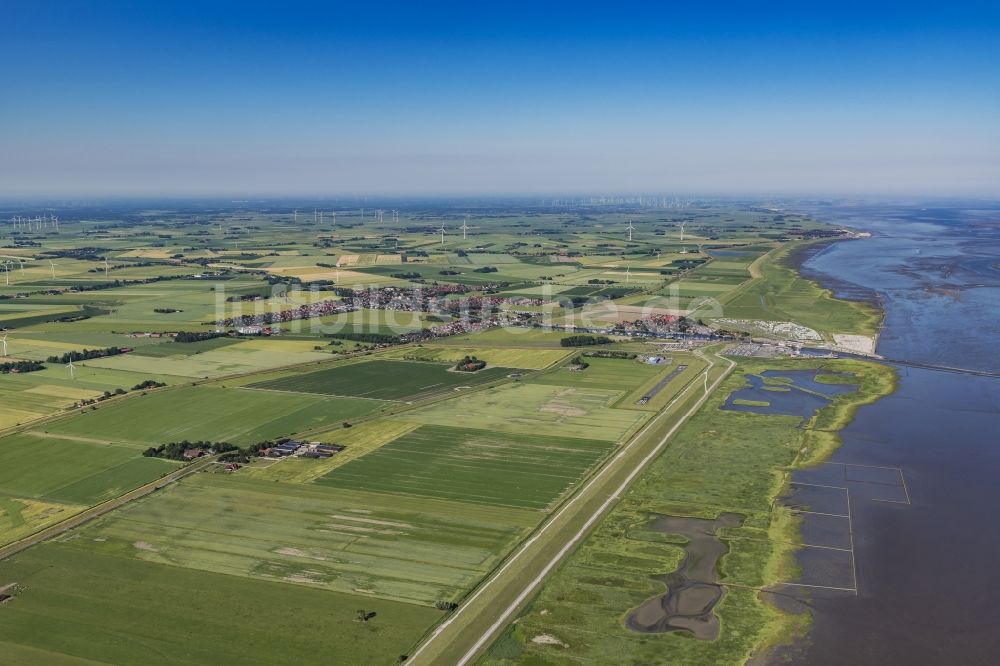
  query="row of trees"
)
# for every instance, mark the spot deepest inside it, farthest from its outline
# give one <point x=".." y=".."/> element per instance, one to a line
<point x="20" y="366"/>
<point x="175" y="450"/>
<point x="86" y="354"/>
<point x="198" y="336"/>
<point x="584" y="340"/>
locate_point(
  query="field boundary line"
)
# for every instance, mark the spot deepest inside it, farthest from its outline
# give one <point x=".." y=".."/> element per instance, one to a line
<point x="99" y="510"/>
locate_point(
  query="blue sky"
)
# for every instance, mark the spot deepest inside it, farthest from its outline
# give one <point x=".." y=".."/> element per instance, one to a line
<point x="154" y="98"/>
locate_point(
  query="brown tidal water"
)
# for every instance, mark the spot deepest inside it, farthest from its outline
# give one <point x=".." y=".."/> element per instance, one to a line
<point x="920" y="468"/>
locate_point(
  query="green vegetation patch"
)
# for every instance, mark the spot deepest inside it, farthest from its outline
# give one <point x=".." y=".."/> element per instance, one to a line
<point x="78" y="472"/>
<point x="212" y="413"/>
<point x="535" y="409"/>
<point x="720" y="461"/>
<point x="109" y="609"/>
<point x="384" y="380"/>
<point x="501" y="469"/>
<point x="421" y="551"/>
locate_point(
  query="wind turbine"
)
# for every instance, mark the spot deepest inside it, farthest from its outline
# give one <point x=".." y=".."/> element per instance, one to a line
<point x="441" y="230"/>
<point x="627" y="275"/>
<point x="465" y="227"/>
<point x="630" y="229"/>
<point x="4" y="341"/>
<point x="52" y="266"/>
<point x="295" y="216"/>
<point x="105" y="267"/>
<point x="682" y="232"/>
<point x="6" y="266"/>
<point x="72" y="368"/>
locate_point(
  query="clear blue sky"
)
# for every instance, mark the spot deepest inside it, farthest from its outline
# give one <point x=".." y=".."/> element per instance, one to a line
<point x="203" y="98"/>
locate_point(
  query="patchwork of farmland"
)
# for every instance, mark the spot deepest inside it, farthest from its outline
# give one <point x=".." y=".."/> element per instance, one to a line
<point x="419" y="551"/>
<point x="213" y="413"/>
<point x="382" y="380"/>
<point x="537" y="409"/>
<point x="85" y="604"/>
<point x="500" y="469"/>
<point x="507" y="357"/>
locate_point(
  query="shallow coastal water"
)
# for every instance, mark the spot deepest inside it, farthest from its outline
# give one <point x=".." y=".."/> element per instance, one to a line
<point x="921" y="468"/>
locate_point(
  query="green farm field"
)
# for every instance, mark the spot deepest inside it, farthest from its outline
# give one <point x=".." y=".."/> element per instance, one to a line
<point x="100" y="607"/>
<point x="382" y="380"/>
<point x="73" y="471"/>
<point x="508" y="357"/>
<point x="421" y="551"/>
<point x="236" y="415"/>
<point x="538" y="409"/>
<point x="495" y="468"/>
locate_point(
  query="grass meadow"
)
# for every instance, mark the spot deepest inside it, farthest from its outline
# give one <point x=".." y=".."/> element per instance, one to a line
<point x="538" y="409"/>
<point x="87" y="605"/>
<point x="382" y="380"/>
<point x="211" y="412"/>
<point x="495" y="468"/>
<point x="347" y="540"/>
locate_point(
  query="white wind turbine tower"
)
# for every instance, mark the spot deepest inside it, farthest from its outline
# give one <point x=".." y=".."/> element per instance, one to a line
<point x="4" y="341"/>
<point x="105" y="267"/>
<point x="21" y="263"/>
<point x="6" y="266"/>
<point x="295" y="216"/>
<point x="682" y="232"/>
<point x="52" y="267"/>
<point x="72" y="368"/>
<point x="441" y="230"/>
<point x="627" y="274"/>
<point x="630" y="229"/>
<point x="465" y="227"/>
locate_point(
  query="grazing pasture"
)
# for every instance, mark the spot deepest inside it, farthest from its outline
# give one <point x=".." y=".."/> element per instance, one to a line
<point x="500" y="469"/>
<point x="538" y="409"/>
<point x="508" y="357"/>
<point x="211" y="412"/>
<point x="75" y="471"/>
<point x="383" y="380"/>
<point x="347" y="540"/>
<point x="88" y="605"/>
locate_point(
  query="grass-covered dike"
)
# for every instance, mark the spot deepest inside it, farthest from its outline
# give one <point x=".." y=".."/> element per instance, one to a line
<point x="722" y="461"/>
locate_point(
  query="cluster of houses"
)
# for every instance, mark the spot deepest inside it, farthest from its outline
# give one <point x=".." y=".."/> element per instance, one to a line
<point x="294" y="447"/>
